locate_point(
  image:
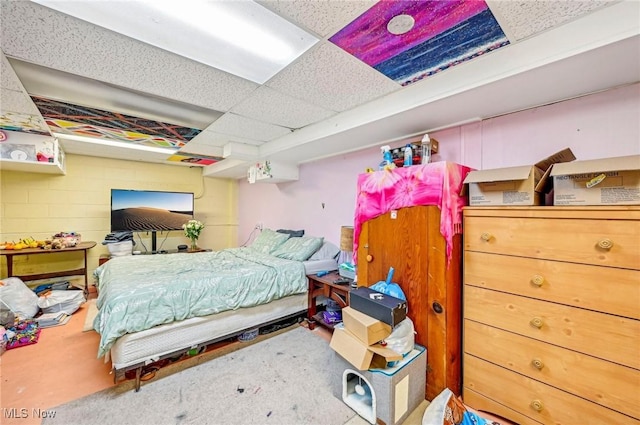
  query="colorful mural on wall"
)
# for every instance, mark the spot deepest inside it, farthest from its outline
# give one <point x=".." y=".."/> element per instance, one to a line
<point x="440" y="34"/>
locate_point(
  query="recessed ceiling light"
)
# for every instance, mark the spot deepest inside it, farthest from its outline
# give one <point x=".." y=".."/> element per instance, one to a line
<point x="401" y="24"/>
<point x="115" y="144"/>
<point x="239" y="37"/>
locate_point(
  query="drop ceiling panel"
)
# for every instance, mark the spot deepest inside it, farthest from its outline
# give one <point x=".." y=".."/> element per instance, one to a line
<point x="409" y="41"/>
<point x="236" y="125"/>
<point x="17" y="101"/>
<point x="212" y="138"/>
<point x="322" y="17"/>
<point x="269" y="105"/>
<point x="522" y="19"/>
<point x="328" y="77"/>
<point x="8" y="78"/>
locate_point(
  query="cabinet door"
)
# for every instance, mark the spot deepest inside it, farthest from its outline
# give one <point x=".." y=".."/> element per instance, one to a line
<point x="409" y="240"/>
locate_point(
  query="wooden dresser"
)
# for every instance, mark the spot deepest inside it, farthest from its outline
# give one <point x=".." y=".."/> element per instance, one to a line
<point x="552" y="314"/>
<point x="410" y="241"/>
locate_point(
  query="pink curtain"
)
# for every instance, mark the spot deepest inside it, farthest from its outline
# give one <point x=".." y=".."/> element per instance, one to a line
<point x="438" y="183"/>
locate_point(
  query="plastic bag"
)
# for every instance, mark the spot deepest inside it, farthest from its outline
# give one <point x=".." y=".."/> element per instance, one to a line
<point x="56" y="301"/>
<point x="17" y="296"/>
<point x="391" y="289"/>
<point x="402" y="338"/>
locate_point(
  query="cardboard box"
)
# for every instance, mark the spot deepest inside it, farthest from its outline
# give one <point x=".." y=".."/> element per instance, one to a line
<point x="360" y="355"/>
<point x="382" y="396"/>
<point x="609" y="181"/>
<point x="364" y="327"/>
<point x="524" y="185"/>
<point x="388" y="309"/>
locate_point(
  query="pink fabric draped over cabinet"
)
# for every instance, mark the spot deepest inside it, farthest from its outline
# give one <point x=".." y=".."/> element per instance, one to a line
<point x="438" y="183"/>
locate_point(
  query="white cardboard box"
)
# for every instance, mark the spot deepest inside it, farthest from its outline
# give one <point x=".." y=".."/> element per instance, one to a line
<point x="608" y="181"/>
<point x="524" y="185"/>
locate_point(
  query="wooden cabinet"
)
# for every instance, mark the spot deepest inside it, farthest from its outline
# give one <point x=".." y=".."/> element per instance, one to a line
<point x="409" y="240"/>
<point x="551" y="313"/>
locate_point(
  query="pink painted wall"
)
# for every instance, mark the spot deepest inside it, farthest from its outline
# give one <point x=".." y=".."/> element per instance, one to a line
<point x="323" y="199"/>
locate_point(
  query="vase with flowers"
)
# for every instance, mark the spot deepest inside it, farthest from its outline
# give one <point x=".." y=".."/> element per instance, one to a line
<point x="192" y="230"/>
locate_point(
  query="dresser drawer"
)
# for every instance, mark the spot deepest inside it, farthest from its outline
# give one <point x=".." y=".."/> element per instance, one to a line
<point x="614" y="243"/>
<point x="606" y="289"/>
<point x="479" y="402"/>
<point x="597" y="380"/>
<point x="609" y="337"/>
<point x="540" y="402"/>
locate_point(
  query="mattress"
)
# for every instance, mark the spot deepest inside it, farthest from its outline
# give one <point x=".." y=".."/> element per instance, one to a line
<point x="313" y="267"/>
<point x="149" y="345"/>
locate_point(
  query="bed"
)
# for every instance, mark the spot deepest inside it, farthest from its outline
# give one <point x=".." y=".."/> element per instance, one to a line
<point x="153" y="307"/>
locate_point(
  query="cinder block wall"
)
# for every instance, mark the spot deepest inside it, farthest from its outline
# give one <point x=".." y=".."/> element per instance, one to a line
<point x="40" y="205"/>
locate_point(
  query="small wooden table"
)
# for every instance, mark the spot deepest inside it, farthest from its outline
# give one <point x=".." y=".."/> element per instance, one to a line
<point x="82" y="246"/>
<point x="324" y="286"/>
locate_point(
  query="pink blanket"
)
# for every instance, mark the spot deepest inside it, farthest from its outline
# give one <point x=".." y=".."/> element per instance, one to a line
<point x="438" y="183"/>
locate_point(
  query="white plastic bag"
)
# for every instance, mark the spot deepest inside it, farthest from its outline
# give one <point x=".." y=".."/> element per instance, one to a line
<point x="17" y="296"/>
<point x="402" y="338"/>
<point x="56" y="301"/>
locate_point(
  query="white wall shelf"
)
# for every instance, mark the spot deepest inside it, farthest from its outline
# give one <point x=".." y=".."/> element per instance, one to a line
<point x="35" y="154"/>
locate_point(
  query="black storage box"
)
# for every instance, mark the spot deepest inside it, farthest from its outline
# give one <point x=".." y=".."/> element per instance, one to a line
<point x="387" y="309"/>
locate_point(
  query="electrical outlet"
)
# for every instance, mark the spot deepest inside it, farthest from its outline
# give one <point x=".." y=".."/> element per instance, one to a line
<point x="258" y="226"/>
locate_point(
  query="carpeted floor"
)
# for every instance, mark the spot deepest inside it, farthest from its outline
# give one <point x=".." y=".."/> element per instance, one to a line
<point x="281" y="380"/>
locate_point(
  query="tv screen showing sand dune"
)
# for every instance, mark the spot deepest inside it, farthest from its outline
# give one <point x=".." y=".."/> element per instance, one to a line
<point x="148" y="219"/>
<point x="149" y="210"/>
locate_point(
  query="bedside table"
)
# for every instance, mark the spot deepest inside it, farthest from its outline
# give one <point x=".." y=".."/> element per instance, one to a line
<point x="324" y="286"/>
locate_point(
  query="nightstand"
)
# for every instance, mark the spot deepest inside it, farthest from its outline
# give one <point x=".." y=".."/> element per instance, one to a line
<point x="324" y="286"/>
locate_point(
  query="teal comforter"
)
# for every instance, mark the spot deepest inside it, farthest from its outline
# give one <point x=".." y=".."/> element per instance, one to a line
<point x="142" y="291"/>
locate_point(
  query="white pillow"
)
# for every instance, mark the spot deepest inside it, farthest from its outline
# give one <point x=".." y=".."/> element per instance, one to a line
<point x="327" y="251"/>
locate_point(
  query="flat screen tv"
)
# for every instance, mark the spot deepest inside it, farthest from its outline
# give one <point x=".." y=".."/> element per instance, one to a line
<point x="149" y="211"/>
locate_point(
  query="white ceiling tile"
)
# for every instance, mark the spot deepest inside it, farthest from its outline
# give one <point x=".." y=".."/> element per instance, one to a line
<point x="324" y="17"/>
<point x="269" y="105"/>
<point x="329" y="77"/>
<point x="521" y="19"/>
<point x="212" y="138"/>
<point x="236" y="125"/>
<point x="8" y="78"/>
<point x="202" y="149"/>
<point x="17" y="101"/>
<point x="40" y="35"/>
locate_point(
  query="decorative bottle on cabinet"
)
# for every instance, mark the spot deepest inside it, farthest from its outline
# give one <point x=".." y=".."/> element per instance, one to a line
<point x="412" y="244"/>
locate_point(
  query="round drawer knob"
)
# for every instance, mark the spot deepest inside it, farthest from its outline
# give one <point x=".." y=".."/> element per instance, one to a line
<point x="537" y="280"/>
<point x="537" y="363"/>
<point x="537" y="405"/>
<point x="486" y="236"/>
<point x="536" y="322"/>
<point x="369" y="258"/>
<point x="605" y="244"/>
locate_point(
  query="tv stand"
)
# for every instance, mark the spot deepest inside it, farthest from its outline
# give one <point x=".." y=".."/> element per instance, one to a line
<point x="154" y="242"/>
